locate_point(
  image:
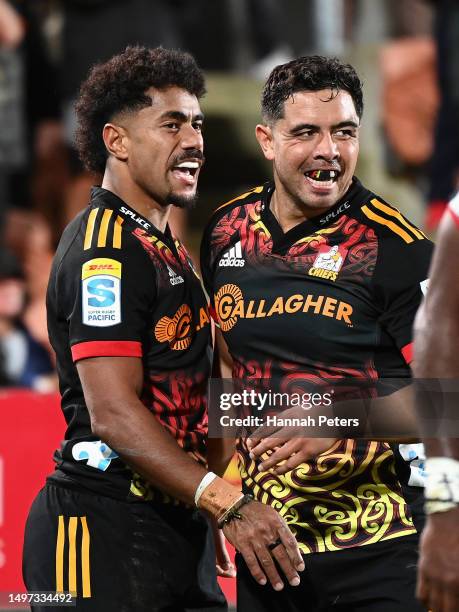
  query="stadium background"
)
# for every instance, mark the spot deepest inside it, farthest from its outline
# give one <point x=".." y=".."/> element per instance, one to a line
<point x="46" y="46"/>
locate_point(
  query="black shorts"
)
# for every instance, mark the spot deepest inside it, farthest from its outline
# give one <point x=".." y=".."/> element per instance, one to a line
<point x="374" y="578"/>
<point x="119" y="556"/>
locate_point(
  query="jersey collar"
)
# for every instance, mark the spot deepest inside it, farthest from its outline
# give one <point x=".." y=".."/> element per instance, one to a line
<point x="353" y="198"/>
<point x="133" y="218"/>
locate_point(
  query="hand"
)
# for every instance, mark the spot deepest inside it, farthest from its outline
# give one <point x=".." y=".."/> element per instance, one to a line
<point x="438" y="573"/>
<point x="225" y="568"/>
<point x="287" y="453"/>
<point x="259" y="527"/>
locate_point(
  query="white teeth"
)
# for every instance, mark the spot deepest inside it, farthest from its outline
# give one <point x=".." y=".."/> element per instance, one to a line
<point x="333" y="174"/>
<point x="320" y="183"/>
<point x="188" y="164"/>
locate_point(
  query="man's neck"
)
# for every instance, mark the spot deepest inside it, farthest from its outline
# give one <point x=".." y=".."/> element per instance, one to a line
<point x="288" y="212"/>
<point x="137" y="199"/>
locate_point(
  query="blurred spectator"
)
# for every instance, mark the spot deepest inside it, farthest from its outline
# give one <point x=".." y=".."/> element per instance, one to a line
<point x="12" y="143"/>
<point x="444" y="177"/>
<point x="28" y="236"/>
<point x="29" y="104"/>
<point x="23" y="361"/>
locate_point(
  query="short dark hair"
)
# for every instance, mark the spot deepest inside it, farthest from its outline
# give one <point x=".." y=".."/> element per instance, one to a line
<point x="119" y="85"/>
<point x="308" y="73"/>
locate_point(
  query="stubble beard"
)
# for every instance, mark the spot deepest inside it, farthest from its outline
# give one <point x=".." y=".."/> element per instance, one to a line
<point x="183" y="202"/>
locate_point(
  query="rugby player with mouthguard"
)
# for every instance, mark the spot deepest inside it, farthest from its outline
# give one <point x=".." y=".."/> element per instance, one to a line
<point x="313" y="277"/>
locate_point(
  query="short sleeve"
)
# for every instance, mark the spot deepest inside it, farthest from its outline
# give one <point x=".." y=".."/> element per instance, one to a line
<point x="106" y="295"/>
<point x="401" y="281"/>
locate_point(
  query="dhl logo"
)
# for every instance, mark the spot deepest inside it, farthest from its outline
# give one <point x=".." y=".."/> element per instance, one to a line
<point x="230" y="307"/>
<point x="101" y="265"/>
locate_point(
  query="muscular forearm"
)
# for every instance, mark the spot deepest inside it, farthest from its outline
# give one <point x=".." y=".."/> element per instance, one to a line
<point x="146" y="446"/>
<point x="220" y="451"/>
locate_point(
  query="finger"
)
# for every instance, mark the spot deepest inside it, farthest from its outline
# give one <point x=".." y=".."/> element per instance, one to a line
<point x="291" y="546"/>
<point x="265" y="445"/>
<point x="450" y="601"/>
<point x="266" y="561"/>
<point x="422" y="588"/>
<point x="292" y="462"/>
<point x="253" y="566"/>
<point x="281" y="454"/>
<point x="435" y="602"/>
<point x="226" y="572"/>
<point x="285" y="563"/>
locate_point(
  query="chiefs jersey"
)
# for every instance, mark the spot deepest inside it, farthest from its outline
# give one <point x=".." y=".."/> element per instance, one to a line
<point x="120" y="287"/>
<point x="333" y="298"/>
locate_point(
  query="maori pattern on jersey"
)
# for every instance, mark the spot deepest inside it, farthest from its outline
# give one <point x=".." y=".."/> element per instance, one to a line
<point x="163" y="258"/>
<point x="347" y="496"/>
<point x="360" y="242"/>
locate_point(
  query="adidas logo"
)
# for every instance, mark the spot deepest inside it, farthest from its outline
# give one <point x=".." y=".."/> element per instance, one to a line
<point x="174" y="278"/>
<point x="233" y="258"/>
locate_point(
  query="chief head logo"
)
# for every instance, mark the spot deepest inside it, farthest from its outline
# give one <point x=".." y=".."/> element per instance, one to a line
<point x="177" y="330"/>
<point x="226" y="300"/>
<point x="328" y="262"/>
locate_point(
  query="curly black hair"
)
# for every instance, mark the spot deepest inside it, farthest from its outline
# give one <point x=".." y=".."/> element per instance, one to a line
<point x="119" y="85"/>
<point x="308" y="73"/>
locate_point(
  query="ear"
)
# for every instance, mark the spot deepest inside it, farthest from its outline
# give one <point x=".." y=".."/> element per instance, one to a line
<point x="115" y="140"/>
<point x="264" y="136"/>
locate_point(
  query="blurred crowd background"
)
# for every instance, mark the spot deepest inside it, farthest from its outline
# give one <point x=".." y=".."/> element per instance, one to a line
<point x="406" y="52"/>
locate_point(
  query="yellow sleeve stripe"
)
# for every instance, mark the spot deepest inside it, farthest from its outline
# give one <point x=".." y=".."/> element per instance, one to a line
<point x="393" y="212"/>
<point x="102" y="239"/>
<point x="241" y="197"/>
<point x="117" y="232"/>
<point x="74" y="552"/>
<point x="90" y="228"/>
<point x="390" y="224"/>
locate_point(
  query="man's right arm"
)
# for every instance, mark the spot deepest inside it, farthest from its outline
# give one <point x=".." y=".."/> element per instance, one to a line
<point x="437" y="357"/>
<point x="111" y="387"/>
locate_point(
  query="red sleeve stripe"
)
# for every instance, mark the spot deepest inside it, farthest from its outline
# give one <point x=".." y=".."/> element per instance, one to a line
<point x="106" y="348"/>
<point x="407" y="352"/>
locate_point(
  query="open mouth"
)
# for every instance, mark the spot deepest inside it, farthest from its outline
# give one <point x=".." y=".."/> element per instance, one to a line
<point x="186" y="171"/>
<point x="322" y="178"/>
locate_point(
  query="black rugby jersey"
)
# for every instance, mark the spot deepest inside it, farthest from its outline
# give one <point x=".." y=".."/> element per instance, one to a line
<point x="334" y="297"/>
<point x="120" y="287"/>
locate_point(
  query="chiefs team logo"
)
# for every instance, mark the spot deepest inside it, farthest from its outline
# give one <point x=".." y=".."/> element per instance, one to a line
<point x="176" y="331"/>
<point x="328" y="262"/>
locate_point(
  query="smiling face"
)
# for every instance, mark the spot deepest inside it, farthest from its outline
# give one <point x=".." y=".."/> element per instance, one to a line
<point x="314" y="149"/>
<point x="162" y="146"/>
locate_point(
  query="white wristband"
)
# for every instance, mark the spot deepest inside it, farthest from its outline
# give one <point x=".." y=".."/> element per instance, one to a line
<point x="205" y="482"/>
<point x="442" y="484"/>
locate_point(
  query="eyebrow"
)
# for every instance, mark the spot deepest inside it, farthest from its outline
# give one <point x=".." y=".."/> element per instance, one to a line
<point x="311" y="126"/>
<point x="179" y="116"/>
